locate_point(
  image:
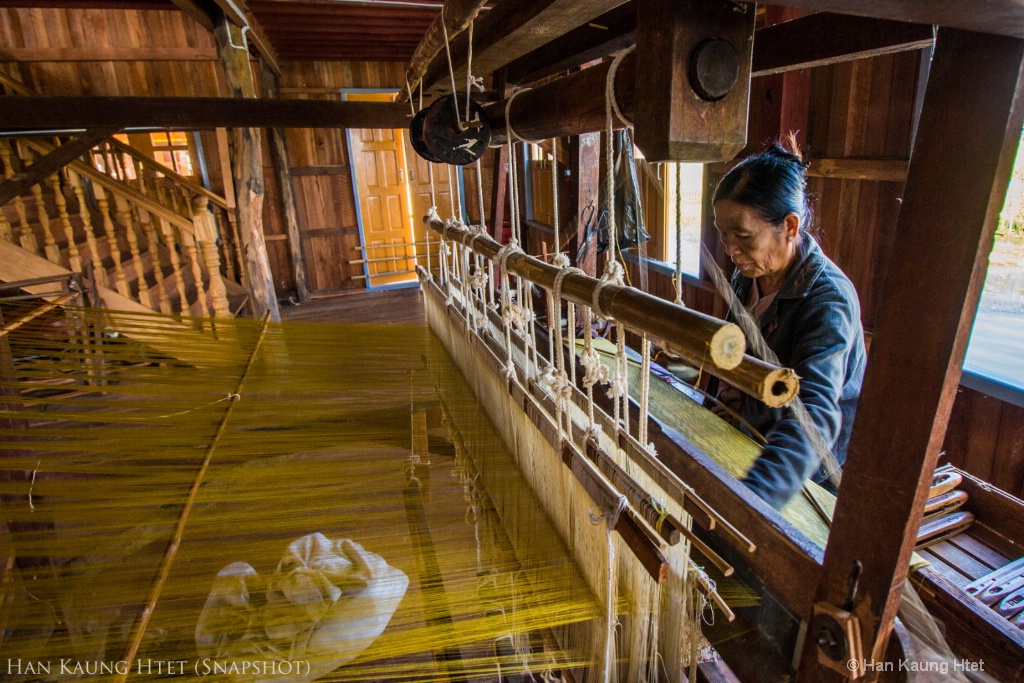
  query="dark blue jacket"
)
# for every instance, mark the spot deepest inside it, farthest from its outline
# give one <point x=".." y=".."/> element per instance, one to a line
<point x="814" y="327"/>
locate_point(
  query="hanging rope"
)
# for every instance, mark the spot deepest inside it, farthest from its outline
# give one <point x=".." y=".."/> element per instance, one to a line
<point x="677" y="281"/>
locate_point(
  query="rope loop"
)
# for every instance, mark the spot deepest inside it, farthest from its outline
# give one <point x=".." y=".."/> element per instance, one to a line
<point x="512" y="134"/>
<point x="613" y="275"/>
<point x="596" y="371"/>
<point x="610" y="85"/>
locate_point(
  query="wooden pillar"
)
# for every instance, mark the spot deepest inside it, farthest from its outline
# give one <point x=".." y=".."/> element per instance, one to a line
<point x="959" y="170"/>
<point x="248" y="171"/>
<point x="584" y="160"/>
<point x="279" y="157"/>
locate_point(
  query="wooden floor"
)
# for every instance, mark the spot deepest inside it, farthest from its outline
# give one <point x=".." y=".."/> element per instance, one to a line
<point x="392" y="306"/>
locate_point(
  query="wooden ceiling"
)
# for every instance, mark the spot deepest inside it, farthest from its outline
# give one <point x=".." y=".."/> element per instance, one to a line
<point x="369" y="30"/>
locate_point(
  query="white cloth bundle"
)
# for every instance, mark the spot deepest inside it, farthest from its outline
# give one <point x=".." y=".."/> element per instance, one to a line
<point x="326" y="603"/>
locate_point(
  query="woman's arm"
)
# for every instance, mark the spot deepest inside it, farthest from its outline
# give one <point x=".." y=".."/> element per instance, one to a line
<point x="821" y="343"/>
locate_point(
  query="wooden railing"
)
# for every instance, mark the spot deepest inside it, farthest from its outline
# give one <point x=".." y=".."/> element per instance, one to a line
<point x="174" y="190"/>
<point x="129" y="235"/>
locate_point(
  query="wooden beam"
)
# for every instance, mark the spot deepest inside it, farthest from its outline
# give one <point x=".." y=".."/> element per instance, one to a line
<point x="890" y="170"/>
<point x="203" y="11"/>
<point x="956" y="184"/>
<point x="455" y="17"/>
<point x="107" y="54"/>
<point x="248" y="168"/>
<point x="828" y="38"/>
<point x="1001" y="17"/>
<point x="605" y="35"/>
<point x="49" y="164"/>
<point x="279" y="157"/>
<point x="572" y="105"/>
<point x="693" y="66"/>
<point x="511" y="30"/>
<point x="190" y="113"/>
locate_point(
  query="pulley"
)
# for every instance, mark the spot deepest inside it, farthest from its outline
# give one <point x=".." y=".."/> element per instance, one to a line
<point x="416" y="137"/>
<point x="451" y="139"/>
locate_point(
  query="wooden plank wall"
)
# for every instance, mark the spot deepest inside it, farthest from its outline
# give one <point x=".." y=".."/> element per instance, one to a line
<point x="111" y="28"/>
<point x="986" y="437"/>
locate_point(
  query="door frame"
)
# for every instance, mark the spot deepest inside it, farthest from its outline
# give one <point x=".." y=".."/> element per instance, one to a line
<point x="355" y="194"/>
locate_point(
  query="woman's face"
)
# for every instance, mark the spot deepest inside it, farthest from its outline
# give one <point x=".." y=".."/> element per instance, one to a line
<point x="757" y="247"/>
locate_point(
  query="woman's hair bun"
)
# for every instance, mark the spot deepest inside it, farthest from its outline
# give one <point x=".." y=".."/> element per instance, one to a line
<point x="786" y="147"/>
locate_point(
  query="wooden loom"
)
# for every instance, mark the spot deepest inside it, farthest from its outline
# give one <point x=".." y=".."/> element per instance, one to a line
<point x="959" y="167"/>
<point x="898" y="414"/>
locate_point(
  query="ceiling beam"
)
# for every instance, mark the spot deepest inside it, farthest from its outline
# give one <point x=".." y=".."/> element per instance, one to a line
<point x="605" y="35"/>
<point x="456" y="17"/>
<point x="828" y="38"/>
<point x="1002" y="17"/>
<point x="509" y="31"/>
<point x="191" y="113"/>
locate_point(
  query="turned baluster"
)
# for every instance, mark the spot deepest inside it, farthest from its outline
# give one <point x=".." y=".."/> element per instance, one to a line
<point x="168" y="234"/>
<point x="99" y="272"/>
<point x="25" y="235"/>
<point x="206" y="234"/>
<point x="74" y="258"/>
<point x="5" y="227"/>
<point x="50" y="247"/>
<point x="153" y="244"/>
<point x="124" y="215"/>
<point x="120" y="280"/>
<point x="188" y="241"/>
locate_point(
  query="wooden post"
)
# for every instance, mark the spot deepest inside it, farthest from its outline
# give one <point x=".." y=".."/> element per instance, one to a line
<point x="206" y="236"/>
<point x="74" y="258"/>
<point x="499" y="188"/>
<point x="248" y="166"/>
<point x="153" y="244"/>
<point x="279" y="157"/>
<point x="125" y="215"/>
<point x="585" y="154"/>
<point x="959" y="171"/>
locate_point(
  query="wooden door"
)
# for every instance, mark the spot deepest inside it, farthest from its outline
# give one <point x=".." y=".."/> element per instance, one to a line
<point x="419" y="185"/>
<point x="382" y="191"/>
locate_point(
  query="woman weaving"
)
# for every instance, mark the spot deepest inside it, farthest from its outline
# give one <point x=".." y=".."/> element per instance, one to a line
<point x="806" y="309"/>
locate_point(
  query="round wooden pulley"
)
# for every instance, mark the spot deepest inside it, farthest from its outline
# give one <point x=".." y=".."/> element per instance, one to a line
<point x="714" y="69"/>
<point x="416" y="137"/>
<point x="450" y="138"/>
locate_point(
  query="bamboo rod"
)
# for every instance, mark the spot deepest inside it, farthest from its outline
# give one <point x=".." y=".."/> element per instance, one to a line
<point x="699" y="334"/>
<point x="774" y="386"/>
<point x="139" y="628"/>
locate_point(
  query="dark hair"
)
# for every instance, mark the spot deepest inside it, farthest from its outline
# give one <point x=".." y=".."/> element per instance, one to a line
<point x="772" y="182"/>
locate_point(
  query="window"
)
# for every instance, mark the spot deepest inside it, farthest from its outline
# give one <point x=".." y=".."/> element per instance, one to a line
<point x="682" y="241"/>
<point x="171" y="150"/>
<point x="993" y="354"/>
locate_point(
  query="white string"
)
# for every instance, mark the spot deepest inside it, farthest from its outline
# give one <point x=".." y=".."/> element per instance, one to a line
<point x="451" y="68"/>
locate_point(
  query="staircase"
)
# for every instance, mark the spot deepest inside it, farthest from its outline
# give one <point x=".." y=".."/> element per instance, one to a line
<point x="145" y="237"/>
